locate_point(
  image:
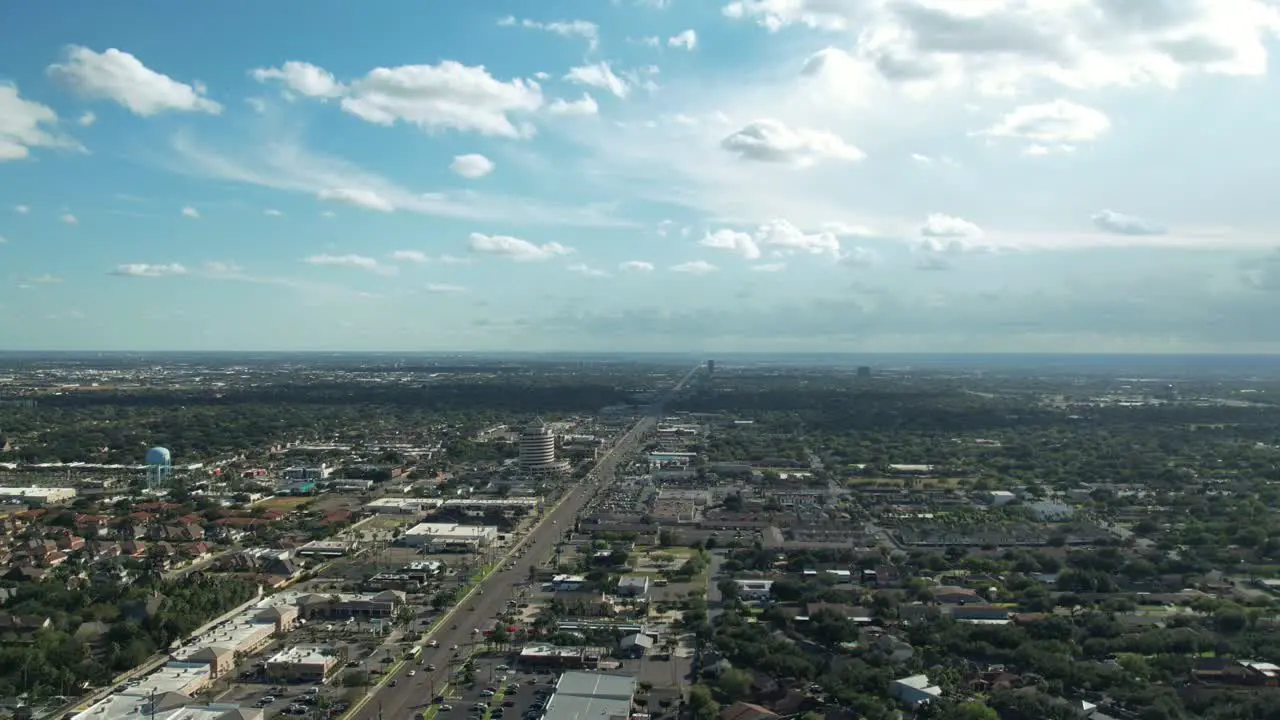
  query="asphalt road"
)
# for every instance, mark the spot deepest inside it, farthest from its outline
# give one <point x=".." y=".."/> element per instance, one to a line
<point x="412" y="694"/>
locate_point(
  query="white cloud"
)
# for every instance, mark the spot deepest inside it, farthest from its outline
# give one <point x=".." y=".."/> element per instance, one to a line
<point x="413" y="256"/>
<point x="654" y="4"/>
<point x="69" y="219"/>
<point x="1120" y="224"/>
<point x="358" y="197"/>
<point x="846" y="230"/>
<point x="739" y="243"/>
<point x="350" y="260"/>
<point x="587" y="270"/>
<point x="191" y="212"/>
<point x="773" y="141"/>
<point x="769" y="267"/>
<point x="121" y="78"/>
<point x="939" y="225"/>
<point x="515" y="248"/>
<point x="25" y="124"/>
<point x="686" y="39"/>
<point x="588" y="31"/>
<point x="47" y="279"/>
<point x="471" y="166"/>
<point x="780" y="236"/>
<point x="86" y="119"/>
<point x="302" y="78"/>
<point x="22" y="209"/>
<point x="149" y="270"/>
<point x="328" y="214"/>
<point x="784" y="237"/>
<point x="447" y="96"/>
<point x="1005" y="46"/>
<point x="599" y="75"/>
<point x="585" y="106"/>
<point x="936" y="252"/>
<point x="695" y="267"/>
<point x="444" y="288"/>
<point x="272" y="212"/>
<point x="636" y="266"/>
<point x="220" y="268"/>
<point x="1052" y="127"/>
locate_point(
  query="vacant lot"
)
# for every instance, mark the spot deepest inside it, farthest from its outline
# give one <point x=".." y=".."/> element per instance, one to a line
<point x="283" y="504"/>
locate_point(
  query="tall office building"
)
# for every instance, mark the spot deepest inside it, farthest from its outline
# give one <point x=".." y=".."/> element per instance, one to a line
<point x="538" y="449"/>
<point x="711" y="367"/>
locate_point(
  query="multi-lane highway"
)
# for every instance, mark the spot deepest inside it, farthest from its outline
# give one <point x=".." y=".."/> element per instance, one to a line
<point x="483" y="605"/>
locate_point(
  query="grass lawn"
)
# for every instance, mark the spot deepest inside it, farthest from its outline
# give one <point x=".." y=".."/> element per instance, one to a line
<point x="283" y="504"/>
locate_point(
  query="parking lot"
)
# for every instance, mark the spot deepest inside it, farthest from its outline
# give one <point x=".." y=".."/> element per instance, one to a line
<point x="499" y="693"/>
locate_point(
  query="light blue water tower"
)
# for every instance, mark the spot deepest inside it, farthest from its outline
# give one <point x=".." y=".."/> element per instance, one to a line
<point x="159" y="466"/>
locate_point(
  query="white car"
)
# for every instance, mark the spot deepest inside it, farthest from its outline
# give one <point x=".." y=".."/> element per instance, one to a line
<point x="434" y="644"/>
<point x="411" y="673"/>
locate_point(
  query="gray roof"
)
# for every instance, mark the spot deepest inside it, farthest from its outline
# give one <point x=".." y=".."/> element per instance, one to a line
<point x="596" y="685"/>
<point x="639" y="639"/>
<point x="639" y="581"/>
<point x="574" y="707"/>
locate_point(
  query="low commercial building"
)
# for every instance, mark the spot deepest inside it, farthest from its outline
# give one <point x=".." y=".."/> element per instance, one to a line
<point x="305" y="664"/>
<point x="37" y="495"/>
<point x="633" y="586"/>
<point x="449" y="537"/>
<point x="479" y="506"/>
<point x="754" y="589"/>
<point x="561" y="657"/>
<point x="591" y="696"/>
<point x="325" y="549"/>
<point x="341" y="606"/>
<point x="402" y="505"/>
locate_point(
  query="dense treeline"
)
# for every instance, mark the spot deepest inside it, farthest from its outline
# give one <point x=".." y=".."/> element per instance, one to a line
<point x="117" y="427"/>
<point x="138" y="620"/>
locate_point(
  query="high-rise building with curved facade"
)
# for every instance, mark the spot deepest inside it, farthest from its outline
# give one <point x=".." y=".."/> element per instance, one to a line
<point x="538" y="449"/>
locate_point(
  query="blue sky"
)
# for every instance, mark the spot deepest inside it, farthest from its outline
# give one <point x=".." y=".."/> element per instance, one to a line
<point x="827" y="175"/>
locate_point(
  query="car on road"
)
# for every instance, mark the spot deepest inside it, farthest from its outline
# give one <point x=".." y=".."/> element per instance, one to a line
<point x="431" y="668"/>
<point x="433" y="644"/>
<point x="411" y="673"/>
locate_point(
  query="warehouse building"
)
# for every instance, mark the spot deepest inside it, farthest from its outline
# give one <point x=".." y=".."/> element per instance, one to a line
<point x="450" y="537"/>
<point x="591" y="696"/>
<point x="37" y="495"/>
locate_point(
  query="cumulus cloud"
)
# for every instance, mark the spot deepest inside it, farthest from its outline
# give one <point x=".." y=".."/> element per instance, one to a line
<point x="779" y="236"/>
<point x="695" y="267"/>
<point x="739" y="243"/>
<point x="772" y="141"/>
<point x="445" y="96"/>
<point x="86" y="119"/>
<point x="302" y="78"/>
<point x="471" y="166"/>
<point x="515" y="248"/>
<point x="1001" y="47"/>
<point x="48" y="279"/>
<point x="358" y="197"/>
<point x="599" y="75"/>
<point x="191" y="212"/>
<point x="586" y="105"/>
<point x="1120" y="224"/>
<point x="636" y="266"/>
<point x="22" y="209"/>
<point x="148" y="270"/>
<point x="686" y="40"/>
<point x="121" y="78"/>
<point x="272" y="212"/>
<point x="350" y="260"/>
<point x="1057" y="126"/>
<point x="939" y="225"/>
<point x="69" y="219"/>
<point x="25" y="124"/>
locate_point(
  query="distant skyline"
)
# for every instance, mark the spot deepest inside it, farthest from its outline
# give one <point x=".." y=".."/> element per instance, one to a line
<point x="852" y="176"/>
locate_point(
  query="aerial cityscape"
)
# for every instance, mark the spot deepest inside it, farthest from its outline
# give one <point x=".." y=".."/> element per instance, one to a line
<point x="368" y="536"/>
<point x="639" y="360"/>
